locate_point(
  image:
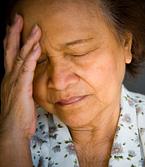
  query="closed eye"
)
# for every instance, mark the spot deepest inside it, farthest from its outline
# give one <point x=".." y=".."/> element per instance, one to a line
<point x="84" y="54"/>
<point x="79" y="55"/>
<point x="42" y="60"/>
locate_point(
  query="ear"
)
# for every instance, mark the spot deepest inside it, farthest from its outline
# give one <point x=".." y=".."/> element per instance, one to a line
<point x="127" y="44"/>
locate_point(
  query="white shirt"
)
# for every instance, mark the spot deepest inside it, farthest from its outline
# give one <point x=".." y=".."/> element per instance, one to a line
<point x="52" y="145"/>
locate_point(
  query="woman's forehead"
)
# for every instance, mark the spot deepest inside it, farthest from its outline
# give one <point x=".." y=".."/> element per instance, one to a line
<point x="52" y="18"/>
<point x="43" y="9"/>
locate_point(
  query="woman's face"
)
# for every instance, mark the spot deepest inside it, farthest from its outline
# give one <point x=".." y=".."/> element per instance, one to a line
<point x="80" y="57"/>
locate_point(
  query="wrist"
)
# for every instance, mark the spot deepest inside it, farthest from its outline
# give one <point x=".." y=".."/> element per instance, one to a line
<point x="9" y="131"/>
<point x="13" y="138"/>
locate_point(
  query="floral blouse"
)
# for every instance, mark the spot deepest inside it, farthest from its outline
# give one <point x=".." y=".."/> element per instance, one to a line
<point x="52" y="145"/>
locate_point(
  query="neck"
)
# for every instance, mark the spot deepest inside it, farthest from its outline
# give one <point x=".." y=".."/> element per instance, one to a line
<point x="100" y="131"/>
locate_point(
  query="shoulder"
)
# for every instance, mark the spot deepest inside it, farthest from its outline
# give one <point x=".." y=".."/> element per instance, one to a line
<point x="138" y="97"/>
<point x="137" y="101"/>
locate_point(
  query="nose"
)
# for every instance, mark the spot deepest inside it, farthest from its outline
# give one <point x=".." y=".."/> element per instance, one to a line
<point x="61" y="76"/>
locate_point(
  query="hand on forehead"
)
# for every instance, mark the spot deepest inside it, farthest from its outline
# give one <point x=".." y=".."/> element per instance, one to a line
<point x="65" y="17"/>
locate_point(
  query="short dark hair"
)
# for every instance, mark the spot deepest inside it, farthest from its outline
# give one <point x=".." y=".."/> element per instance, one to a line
<point x="126" y="16"/>
<point x="129" y="16"/>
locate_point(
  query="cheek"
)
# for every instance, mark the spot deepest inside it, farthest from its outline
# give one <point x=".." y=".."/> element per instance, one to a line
<point x="103" y="72"/>
<point x="101" y="69"/>
<point x="40" y="92"/>
<point x="40" y="85"/>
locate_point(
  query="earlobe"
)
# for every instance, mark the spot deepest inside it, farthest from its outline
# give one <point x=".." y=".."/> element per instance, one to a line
<point x="128" y="47"/>
<point x="128" y="60"/>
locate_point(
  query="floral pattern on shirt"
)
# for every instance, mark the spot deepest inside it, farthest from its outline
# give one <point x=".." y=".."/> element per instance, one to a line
<point x="52" y="145"/>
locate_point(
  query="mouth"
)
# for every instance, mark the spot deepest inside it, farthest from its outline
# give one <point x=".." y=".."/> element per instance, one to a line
<point x="70" y="101"/>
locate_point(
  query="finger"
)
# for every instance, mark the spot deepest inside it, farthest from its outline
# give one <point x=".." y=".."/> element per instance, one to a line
<point x="26" y="73"/>
<point x="32" y="39"/>
<point x="12" y="43"/>
<point x="27" y="48"/>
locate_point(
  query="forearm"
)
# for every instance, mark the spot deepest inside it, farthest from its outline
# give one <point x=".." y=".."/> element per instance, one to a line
<point x="15" y="153"/>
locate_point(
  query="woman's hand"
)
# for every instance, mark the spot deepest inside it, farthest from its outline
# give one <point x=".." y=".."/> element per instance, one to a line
<point x="18" y="115"/>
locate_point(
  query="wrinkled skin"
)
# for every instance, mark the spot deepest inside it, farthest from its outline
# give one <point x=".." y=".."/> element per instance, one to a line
<point x="87" y="68"/>
<point x="74" y="52"/>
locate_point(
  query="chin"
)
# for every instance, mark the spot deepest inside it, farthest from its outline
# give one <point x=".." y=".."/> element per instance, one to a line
<point x="78" y="119"/>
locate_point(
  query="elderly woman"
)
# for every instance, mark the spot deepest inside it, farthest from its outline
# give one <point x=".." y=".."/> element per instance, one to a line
<point x="63" y="102"/>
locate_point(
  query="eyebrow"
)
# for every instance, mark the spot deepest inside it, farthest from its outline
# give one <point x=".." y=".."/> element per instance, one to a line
<point x="78" y="41"/>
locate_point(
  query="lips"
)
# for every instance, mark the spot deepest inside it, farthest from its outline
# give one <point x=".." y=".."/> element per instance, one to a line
<point x="70" y="100"/>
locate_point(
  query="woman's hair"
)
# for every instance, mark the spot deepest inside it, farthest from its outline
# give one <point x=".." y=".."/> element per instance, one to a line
<point x="126" y="16"/>
<point x="129" y="16"/>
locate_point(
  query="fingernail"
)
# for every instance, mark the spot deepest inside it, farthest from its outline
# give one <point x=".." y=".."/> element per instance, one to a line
<point x="35" y="29"/>
<point x="17" y="17"/>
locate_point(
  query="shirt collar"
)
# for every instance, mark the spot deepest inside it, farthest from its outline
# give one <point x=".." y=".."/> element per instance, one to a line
<point x="126" y="146"/>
